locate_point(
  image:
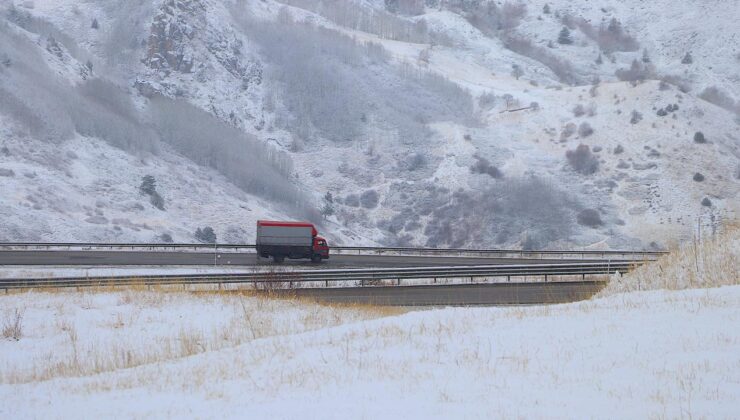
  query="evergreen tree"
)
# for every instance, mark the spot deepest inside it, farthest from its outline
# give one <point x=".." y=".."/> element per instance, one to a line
<point x="148" y="185"/>
<point x="328" y="208"/>
<point x="687" y="59"/>
<point x="546" y="9"/>
<point x="564" y="36"/>
<point x="645" y="56"/>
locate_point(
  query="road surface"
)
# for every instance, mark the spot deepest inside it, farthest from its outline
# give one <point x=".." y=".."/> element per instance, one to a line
<point x="122" y="258"/>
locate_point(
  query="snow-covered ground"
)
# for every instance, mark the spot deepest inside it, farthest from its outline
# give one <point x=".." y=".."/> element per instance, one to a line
<point x="665" y="354"/>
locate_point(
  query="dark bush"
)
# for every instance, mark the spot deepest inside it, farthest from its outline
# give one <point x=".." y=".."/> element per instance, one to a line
<point x="352" y="200"/>
<point x="582" y="160"/>
<point x="687" y="59"/>
<point x="619" y="149"/>
<point x="157" y="200"/>
<point x="579" y="110"/>
<point x="698" y="177"/>
<point x="638" y="71"/>
<point x="590" y="218"/>
<point x="636" y="117"/>
<point x="369" y="199"/>
<point x="568" y="131"/>
<point x="166" y="238"/>
<point x="662" y="112"/>
<point x="416" y="161"/>
<point x="502" y="212"/>
<point x="699" y="137"/>
<point x="585" y="130"/>
<point x="205" y="235"/>
<point x="706" y="202"/>
<point x="483" y="166"/>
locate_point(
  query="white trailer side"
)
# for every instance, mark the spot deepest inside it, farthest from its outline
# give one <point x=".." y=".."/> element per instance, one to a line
<point x="285" y="235"/>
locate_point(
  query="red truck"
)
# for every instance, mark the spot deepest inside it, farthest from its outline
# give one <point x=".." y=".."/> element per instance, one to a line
<point x="293" y="240"/>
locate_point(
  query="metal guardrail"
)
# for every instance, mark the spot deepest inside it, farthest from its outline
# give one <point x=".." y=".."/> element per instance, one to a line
<point x="359" y="250"/>
<point x="362" y="277"/>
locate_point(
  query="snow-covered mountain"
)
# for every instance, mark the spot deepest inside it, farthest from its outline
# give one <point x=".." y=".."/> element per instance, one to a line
<point x="438" y="123"/>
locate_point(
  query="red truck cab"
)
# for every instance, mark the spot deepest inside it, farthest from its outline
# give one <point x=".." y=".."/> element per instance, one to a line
<point x="321" y="247"/>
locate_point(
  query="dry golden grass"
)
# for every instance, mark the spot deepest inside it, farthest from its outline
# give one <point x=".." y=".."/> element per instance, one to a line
<point x="703" y="262"/>
<point x="253" y="315"/>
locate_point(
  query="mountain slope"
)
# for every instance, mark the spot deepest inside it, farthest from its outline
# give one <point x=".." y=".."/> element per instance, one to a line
<point x="454" y="124"/>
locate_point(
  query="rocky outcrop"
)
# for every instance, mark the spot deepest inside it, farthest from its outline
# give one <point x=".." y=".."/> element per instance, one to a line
<point x="168" y="46"/>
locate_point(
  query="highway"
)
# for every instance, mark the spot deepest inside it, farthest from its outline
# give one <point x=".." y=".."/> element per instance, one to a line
<point x="167" y="258"/>
<point x="358" y="275"/>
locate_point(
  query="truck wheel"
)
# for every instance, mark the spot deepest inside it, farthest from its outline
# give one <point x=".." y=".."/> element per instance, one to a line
<point x="278" y="258"/>
<point x="316" y="258"/>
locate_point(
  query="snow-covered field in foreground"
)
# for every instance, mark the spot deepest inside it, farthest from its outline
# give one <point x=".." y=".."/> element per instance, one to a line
<point x="658" y="354"/>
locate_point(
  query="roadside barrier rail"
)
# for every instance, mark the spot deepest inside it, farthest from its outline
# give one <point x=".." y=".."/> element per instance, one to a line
<point x="322" y="278"/>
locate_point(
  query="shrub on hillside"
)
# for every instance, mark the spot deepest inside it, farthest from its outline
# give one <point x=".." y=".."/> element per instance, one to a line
<point x="562" y="69"/>
<point x="369" y="199"/>
<point x="568" y="131"/>
<point x="502" y="212"/>
<point x="487" y="100"/>
<point x="585" y="130"/>
<point x="722" y="99"/>
<point x="483" y="166"/>
<point x="698" y="177"/>
<point x="589" y="218"/>
<point x="579" y="110"/>
<point x="352" y="200"/>
<point x="699" y="138"/>
<point x="638" y="71"/>
<point x="582" y="160"/>
<point x="206" y="235"/>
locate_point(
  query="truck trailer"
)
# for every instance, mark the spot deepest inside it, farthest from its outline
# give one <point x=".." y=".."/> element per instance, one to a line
<point x="294" y="240"/>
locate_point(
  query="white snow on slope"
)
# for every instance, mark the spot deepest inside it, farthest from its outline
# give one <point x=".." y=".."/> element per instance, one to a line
<point x="639" y="355"/>
<point x="649" y="197"/>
